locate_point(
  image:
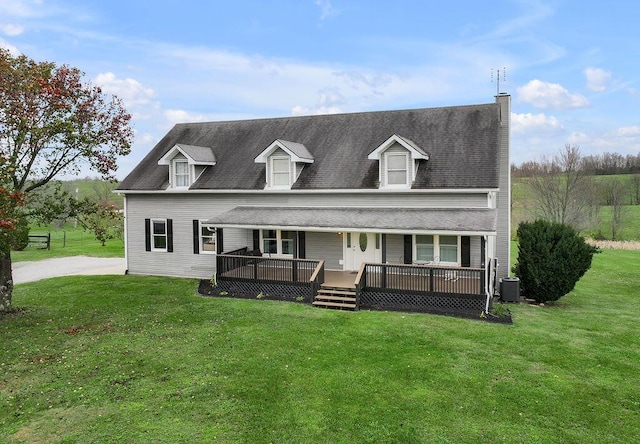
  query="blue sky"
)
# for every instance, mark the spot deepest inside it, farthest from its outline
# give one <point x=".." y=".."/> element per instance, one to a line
<point x="572" y="68"/>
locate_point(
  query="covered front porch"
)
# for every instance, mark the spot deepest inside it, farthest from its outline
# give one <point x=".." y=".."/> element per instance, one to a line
<point x="392" y="259"/>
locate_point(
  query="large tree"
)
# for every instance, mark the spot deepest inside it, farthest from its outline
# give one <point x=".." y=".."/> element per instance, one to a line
<point x="563" y="189"/>
<point x="53" y="123"/>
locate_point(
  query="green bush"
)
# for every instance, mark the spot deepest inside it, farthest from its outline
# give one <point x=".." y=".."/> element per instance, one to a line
<point x="552" y="258"/>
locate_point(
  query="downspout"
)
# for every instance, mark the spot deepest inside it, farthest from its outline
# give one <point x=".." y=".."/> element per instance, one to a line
<point x="487" y="274"/>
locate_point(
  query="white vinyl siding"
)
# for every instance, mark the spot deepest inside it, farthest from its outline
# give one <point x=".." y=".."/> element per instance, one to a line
<point x="184" y="208"/>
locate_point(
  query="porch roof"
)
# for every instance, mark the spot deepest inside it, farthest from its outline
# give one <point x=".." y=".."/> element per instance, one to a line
<point x="383" y="220"/>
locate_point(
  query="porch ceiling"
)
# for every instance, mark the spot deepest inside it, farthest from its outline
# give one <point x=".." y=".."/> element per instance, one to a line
<point x="383" y="220"/>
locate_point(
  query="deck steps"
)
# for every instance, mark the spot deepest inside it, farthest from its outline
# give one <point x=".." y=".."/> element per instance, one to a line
<point x="336" y="297"/>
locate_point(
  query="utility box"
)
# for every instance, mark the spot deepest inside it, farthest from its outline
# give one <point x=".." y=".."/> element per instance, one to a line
<point x="510" y="289"/>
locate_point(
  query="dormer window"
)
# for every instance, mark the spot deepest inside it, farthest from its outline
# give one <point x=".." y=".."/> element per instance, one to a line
<point x="186" y="164"/>
<point x="284" y="162"/>
<point x="397" y="168"/>
<point x="280" y="171"/>
<point x="398" y="159"/>
<point x="181" y="173"/>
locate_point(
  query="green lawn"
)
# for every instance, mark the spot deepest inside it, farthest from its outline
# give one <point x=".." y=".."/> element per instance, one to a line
<point x="144" y="359"/>
<point x="68" y="241"/>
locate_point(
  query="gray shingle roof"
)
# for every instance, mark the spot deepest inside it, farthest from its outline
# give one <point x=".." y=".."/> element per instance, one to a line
<point x="379" y="219"/>
<point x="199" y="153"/>
<point x="462" y="142"/>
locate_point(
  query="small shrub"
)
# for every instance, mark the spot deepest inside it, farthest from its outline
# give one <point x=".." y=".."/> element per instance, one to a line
<point x="552" y="258"/>
<point x="260" y="295"/>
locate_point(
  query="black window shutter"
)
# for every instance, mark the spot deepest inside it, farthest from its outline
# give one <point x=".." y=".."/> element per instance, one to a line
<point x="196" y="236"/>
<point x="147" y="234"/>
<point x="465" y="243"/>
<point x="483" y="251"/>
<point x="408" y="248"/>
<point x="219" y="241"/>
<point x="384" y="247"/>
<point x="302" y="249"/>
<point x="170" y="235"/>
<point x="256" y="239"/>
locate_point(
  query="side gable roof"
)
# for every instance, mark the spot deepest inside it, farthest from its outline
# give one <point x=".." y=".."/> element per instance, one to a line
<point x="462" y="142"/>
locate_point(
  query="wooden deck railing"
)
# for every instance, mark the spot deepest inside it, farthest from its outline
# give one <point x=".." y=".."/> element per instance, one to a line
<point x="258" y="268"/>
<point x="423" y="278"/>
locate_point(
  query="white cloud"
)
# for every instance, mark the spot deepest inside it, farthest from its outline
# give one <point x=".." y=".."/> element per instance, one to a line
<point x="326" y="9"/>
<point x="299" y="110"/>
<point x="550" y="95"/>
<point x="597" y="78"/>
<point x="628" y="131"/>
<point x="12" y="49"/>
<point x="174" y="116"/>
<point x="578" y="138"/>
<point x="11" y="29"/>
<point x="535" y="123"/>
<point x="132" y="92"/>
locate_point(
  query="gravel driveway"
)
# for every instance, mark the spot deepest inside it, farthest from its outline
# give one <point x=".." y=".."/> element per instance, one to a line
<point x="67" y="266"/>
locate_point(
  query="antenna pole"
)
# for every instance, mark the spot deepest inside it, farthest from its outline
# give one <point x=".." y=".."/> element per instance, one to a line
<point x="504" y="78"/>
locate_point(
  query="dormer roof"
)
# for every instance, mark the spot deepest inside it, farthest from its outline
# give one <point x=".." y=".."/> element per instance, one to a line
<point x="411" y="146"/>
<point x="195" y="155"/>
<point x="297" y="151"/>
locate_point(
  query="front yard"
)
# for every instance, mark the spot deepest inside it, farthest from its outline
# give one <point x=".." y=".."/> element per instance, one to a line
<point x="132" y="359"/>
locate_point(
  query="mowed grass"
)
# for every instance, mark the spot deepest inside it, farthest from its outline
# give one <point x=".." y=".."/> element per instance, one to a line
<point x="145" y="359"/>
<point x="68" y="241"/>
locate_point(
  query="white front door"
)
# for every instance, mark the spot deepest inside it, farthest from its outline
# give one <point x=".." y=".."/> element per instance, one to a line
<point x="359" y="247"/>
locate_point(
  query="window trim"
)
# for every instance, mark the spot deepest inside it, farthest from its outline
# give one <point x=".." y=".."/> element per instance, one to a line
<point x="201" y="237"/>
<point x="437" y="256"/>
<point x="406" y="169"/>
<point x="272" y="172"/>
<point x="155" y="235"/>
<point x="174" y="165"/>
<point x="279" y="243"/>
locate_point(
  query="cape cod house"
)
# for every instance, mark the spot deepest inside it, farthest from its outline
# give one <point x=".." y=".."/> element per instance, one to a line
<point x="408" y="209"/>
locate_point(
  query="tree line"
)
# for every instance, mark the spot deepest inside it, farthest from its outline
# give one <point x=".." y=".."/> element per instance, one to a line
<point x="565" y="191"/>
<point x="597" y="165"/>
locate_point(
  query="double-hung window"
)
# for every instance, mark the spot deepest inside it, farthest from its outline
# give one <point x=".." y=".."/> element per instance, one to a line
<point x="449" y="249"/>
<point x="280" y="172"/>
<point x="397" y="172"/>
<point x="424" y="248"/>
<point x="181" y="173"/>
<point x="159" y="235"/>
<point x="437" y="248"/>
<point x="278" y="242"/>
<point x="207" y="238"/>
